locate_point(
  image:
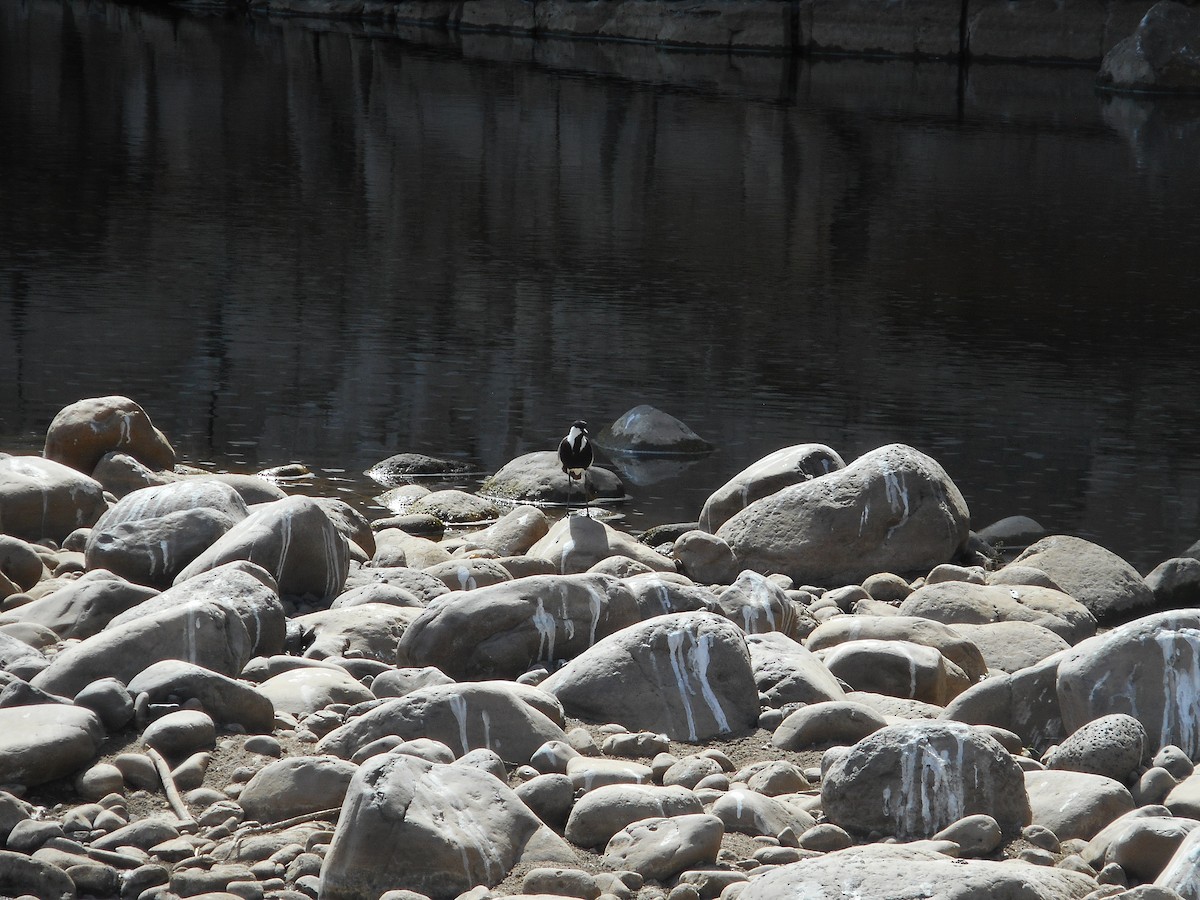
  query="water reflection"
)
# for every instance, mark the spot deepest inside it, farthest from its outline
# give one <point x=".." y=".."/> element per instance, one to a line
<point x="316" y="245"/>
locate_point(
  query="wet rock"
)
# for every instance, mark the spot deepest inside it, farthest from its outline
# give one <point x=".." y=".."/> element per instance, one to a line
<point x="218" y="620"/>
<point x="1103" y="582"/>
<point x="437" y="829"/>
<point x="893" y="509"/>
<point x="829" y="722"/>
<point x="41" y="498"/>
<point x="226" y="699"/>
<point x="1147" y="668"/>
<point x="43" y="742"/>
<point x="886" y="781"/>
<point x="1012" y="646"/>
<point x="783" y="468"/>
<point x="601" y="813"/>
<point x="296" y="786"/>
<point x="502" y="630"/>
<point x="84" y="431"/>
<point x="1075" y="804"/>
<point x="1114" y="746"/>
<point x="661" y="848"/>
<point x="1160" y="55"/>
<point x="686" y="675"/>
<point x="403" y="466"/>
<point x="785" y="671"/>
<point x="963" y="603"/>
<point x="897" y="669"/>
<point x="84" y="607"/>
<point x="872" y="870"/>
<point x="538" y="478"/>
<point x="645" y="429"/>
<point x="497" y="715"/>
<point x="455" y="507"/>
<point x="306" y="690"/>
<point x="293" y="539"/>
<point x="576" y="543"/>
<point x="949" y="641"/>
<point x="369" y="631"/>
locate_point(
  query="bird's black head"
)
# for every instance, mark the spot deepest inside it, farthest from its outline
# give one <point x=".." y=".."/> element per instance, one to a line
<point x="580" y="424"/>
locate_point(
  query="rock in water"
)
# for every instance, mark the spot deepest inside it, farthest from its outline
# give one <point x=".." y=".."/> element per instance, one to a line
<point x="538" y="478"/>
<point x="41" y="498"/>
<point x="436" y="829"/>
<point x="775" y="471"/>
<point x="912" y="780"/>
<point x="893" y="509"/>
<point x="645" y="429"/>
<point x="687" y="675"/>
<point x="86" y="430"/>
<point x="1162" y="54"/>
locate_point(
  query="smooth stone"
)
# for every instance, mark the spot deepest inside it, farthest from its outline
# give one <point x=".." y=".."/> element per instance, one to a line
<point x="227" y="700"/>
<point x="661" y="848"/>
<point x="829" y="722"/>
<point x="179" y="734"/>
<point x="295" y="786"/>
<point x="43" y="742"/>
<point x="601" y="813"/>
<point x="784" y="467"/>
<point x="1075" y="804"/>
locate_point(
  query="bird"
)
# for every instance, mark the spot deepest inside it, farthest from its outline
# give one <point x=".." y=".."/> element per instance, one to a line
<point x="575" y="454"/>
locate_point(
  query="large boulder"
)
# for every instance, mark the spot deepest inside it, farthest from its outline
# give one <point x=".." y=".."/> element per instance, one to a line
<point x="538" y="478"/>
<point x="576" y="543"/>
<point x="687" y="675"/>
<point x="86" y="430"/>
<point x="965" y="603"/>
<point x="1182" y="871"/>
<point x="152" y="534"/>
<point x="501" y="716"/>
<point x="436" y="829"/>
<point x="1148" y="669"/>
<point x="871" y="872"/>
<point x="1099" y="579"/>
<point x="645" y="429"/>
<point x="775" y="471"/>
<point x="295" y="786"/>
<point x="83" y="607"/>
<point x="1012" y="646"/>
<point x="42" y="742"/>
<point x="41" y="498"/>
<point x="503" y="630"/>
<point x="757" y="604"/>
<point x="893" y="509"/>
<point x="661" y="593"/>
<point x="218" y="621"/>
<point x="914" y="779"/>
<point x="293" y="539"/>
<point x="1162" y="54"/>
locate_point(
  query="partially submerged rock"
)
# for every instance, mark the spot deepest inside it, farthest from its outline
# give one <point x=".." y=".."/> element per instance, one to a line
<point x="645" y="429"/>
<point x="1162" y="54"/>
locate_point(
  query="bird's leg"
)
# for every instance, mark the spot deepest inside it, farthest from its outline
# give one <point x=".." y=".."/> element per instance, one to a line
<point x="586" y="499"/>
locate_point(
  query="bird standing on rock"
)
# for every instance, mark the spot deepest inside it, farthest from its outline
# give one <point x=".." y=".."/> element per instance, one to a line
<point x="575" y="454"/>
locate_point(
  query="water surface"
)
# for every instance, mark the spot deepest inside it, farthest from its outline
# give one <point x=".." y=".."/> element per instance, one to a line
<point x="317" y="244"/>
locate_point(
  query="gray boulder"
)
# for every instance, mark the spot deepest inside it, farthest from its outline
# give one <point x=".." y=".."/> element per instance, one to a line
<point x="24" y="876"/>
<point x="775" y="471"/>
<point x="913" y="780"/>
<point x="893" y="509"/>
<point x="785" y="671"/>
<point x="1160" y="55"/>
<point x="499" y="716"/>
<point x="870" y="873"/>
<point x="1114" y="746"/>
<point x="83" y="607"/>
<point x="964" y="603"/>
<point x="308" y="689"/>
<point x="756" y="605"/>
<point x="295" y="786"/>
<point x="948" y="640"/>
<point x="686" y="675"/>
<point x="153" y="551"/>
<point x="41" y="498"/>
<point x="19" y="659"/>
<point x="1012" y="646"/>
<point x="645" y="429"/>
<point x="1175" y="583"/>
<point x="503" y="630"/>
<point x="704" y="557"/>
<point x="1075" y="804"/>
<point x="827" y="722"/>
<point x="226" y="699"/>
<point x="602" y="812"/>
<point x="437" y="829"/>
<point x="897" y="669"/>
<point x="43" y="742"/>
<point x="661" y="848"/>
<point x="513" y="533"/>
<point x="1147" y="669"/>
<point x="21" y="566"/>
<point x="368" y="630"/>
<point x="538" y="478"/>
<point x="293" y="539"/>
<point x="1182" y="871"/>
<point x="662" y="593"/>
<point x="754" y="813"/>
<point x="1099" y="579"/>
<point x="422" y="585"/>
<point x="455" y="507"/>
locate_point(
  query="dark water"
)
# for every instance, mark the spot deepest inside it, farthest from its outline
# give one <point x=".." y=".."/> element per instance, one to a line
<point x="319" y="245"/>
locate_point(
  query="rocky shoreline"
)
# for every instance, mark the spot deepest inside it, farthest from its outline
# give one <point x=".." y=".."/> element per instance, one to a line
<point x="213" y="686"/>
